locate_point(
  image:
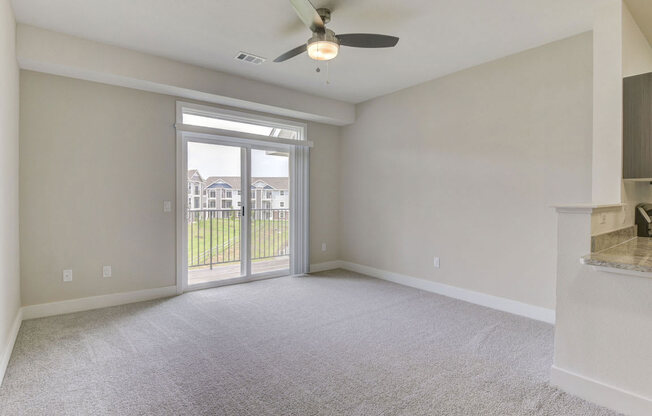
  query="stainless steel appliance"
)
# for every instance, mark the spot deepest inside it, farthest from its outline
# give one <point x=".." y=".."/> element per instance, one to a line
<point x="644" y="220"/>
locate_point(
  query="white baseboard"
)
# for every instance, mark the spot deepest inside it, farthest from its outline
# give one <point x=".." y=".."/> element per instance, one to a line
<point x="5" y="353"/>
<point x="502" y="304"/>
<point x="95" y="302"/>
<point x="327" y="265"/>
<point x="595" y="391"/>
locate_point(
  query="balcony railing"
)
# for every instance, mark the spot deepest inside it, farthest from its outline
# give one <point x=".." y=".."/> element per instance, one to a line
<point x="214" y="235"/>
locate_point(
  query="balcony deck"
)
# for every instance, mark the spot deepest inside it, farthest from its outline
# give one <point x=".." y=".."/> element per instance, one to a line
<point x="230" y="270"/>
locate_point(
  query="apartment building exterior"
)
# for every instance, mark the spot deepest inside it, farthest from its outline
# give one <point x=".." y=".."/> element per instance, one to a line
<point x="195" y="189"/>
<point x="225" y="193"/>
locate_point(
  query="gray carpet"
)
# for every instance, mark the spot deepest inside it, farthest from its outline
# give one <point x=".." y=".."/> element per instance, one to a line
<point x="335" y="343"/>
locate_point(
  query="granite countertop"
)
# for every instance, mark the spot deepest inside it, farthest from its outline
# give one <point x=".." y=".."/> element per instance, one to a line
<point x="634" y="254"/>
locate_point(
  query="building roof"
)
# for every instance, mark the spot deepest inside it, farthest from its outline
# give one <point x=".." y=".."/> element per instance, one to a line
<point x="192" y="173"/>
<point x="233" y="182"/>
<point x="273" y="182"/>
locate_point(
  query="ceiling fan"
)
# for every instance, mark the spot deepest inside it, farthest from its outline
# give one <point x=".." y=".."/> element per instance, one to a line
<point x="324" y="43"/>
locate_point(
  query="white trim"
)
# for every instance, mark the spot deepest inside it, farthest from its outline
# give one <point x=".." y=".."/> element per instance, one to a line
<point x="9" y="347"/>
<point x="601" y="393"/>
<point x="96" y="302"/>
<point x="245" y="223"/>
<point x="237" y="280"/>
<point x="327" y="265"/>
<point x="494" y="302"/>
<point x="182" y="211"/>
<point x="253" y="138"/>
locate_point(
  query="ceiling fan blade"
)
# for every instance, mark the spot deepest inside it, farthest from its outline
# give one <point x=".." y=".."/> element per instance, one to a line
<point x="367" y="40"/>
<point x="308" y="15"/>
<point x="291" y="53"/>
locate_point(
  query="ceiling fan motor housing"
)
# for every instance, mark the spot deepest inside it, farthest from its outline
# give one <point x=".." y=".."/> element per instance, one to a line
<point x="325" y="14"/>
<point x="326" y="36"/>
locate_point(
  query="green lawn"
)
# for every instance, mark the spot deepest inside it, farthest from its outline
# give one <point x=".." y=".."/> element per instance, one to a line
<point x="269" y="238"/>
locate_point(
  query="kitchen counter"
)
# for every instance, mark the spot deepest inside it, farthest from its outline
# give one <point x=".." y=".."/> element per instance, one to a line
<point x="633" y="255"/>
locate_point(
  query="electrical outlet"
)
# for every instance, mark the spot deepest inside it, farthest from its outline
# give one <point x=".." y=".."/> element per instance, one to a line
<point x="67" y="275"/>
<point x="106" y="271"/>
<point x="167" y="206"/>
<point x="323" y="246"/>
<point x="436" y="262"/>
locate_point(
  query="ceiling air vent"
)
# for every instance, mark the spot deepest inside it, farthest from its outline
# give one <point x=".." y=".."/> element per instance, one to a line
<point x="249" y="58"/>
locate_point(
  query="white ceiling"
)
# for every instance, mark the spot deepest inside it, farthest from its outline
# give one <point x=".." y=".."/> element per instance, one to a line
<point x="438" y="37"/>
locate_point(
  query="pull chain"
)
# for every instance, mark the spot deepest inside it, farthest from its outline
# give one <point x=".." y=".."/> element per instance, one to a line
<point x="328" y="74"/>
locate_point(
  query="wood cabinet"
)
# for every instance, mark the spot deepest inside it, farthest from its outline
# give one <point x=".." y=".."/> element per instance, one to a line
<point x="637" y="127"/>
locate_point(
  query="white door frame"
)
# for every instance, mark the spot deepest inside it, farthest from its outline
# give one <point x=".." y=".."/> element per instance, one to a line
<point x="299" y="198"/>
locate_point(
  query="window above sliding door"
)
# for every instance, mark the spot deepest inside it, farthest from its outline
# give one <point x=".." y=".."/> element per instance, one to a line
<point x="197" y="115"/>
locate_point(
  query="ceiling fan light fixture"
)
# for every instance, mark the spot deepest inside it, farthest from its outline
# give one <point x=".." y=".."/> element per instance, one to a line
<point x="324" y="44"/>
<point x="323" y="50"/>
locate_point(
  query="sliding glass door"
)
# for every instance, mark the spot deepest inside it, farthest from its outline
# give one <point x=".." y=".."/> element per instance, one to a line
<point x="214" y="212"/>
<point x="238" y="212"/>
<point x="269" y="211"/>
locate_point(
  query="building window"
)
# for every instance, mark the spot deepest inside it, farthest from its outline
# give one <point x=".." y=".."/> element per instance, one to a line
<point x="196" y="189"/>
<point x="211" y="204"/>
<point x="282" y="204"/>
<point x="196" y="204"/>
<point x="229" y="194"/>
<point x="282" y="193"/>
<point x="239" y="193"/>
<point x="212" y="194"/>
<point x="226" y="204"/>
<point x="239" y="203"/>
<point x="253" y="194"/>
<point x="269" y="195"/>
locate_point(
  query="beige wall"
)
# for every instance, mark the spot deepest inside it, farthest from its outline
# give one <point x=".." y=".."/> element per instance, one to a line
<point x="9" y="265"/>
<point x="607" y="154"/>
<point x="466" y="167"/>
<point x="97" y="162"/>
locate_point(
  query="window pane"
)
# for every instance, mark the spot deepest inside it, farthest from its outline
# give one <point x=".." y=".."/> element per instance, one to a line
<point x="217" y="123"/>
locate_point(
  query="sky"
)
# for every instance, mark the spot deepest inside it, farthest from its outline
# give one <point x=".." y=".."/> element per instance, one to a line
<point x="216" y="160"/>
